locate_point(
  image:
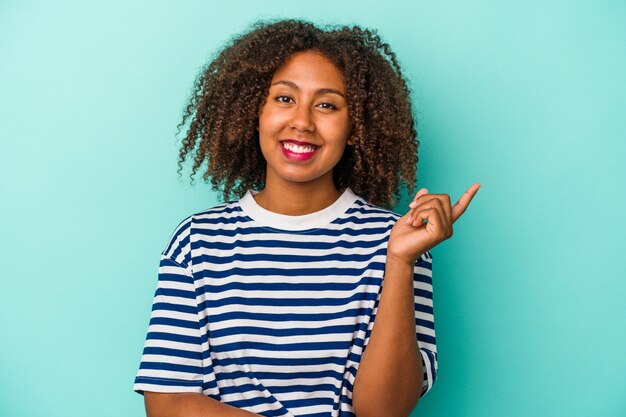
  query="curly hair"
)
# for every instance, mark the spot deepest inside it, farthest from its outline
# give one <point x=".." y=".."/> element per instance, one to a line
<point x="223" y="111"/>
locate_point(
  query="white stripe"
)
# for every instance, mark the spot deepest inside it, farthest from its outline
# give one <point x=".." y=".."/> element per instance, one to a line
<point x="296" y="279"/>
<point x="299" y="324"/>
<point x="174" y="270"/>
<point x="310" y="310"/>
<point x="171" y="359"/>
<point x="169" y="299"/>
<point x="281" y="369"/>
<point x="159" y="343"/>
<point x="164" y="374"/>
<point x="284" y="382"/>
<point x="181" y="331"/>
<point x="423" y="301"/>
<point x="325" y="408"/>
<point x="166" y="388"/>
<point x="300" y="294"/>
<point x="281" y="340"/>
<point x="288" y="266"/>
<point x="426" y="364"/>
<point x="280" y="355"/>
<point x="177" y="315"/>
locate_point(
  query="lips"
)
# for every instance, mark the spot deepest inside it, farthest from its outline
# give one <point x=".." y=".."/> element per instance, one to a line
<point x="298" y="151"/>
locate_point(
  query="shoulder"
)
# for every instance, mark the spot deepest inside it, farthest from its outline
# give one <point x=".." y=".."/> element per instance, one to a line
<point x="178" y="245"/>
<point x="368" y="213"/>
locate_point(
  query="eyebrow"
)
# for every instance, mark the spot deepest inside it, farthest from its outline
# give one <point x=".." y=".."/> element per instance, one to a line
<point x="320" y="91"/>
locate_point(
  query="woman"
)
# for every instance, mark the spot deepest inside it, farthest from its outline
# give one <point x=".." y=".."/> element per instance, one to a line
<point x="266" y="303"/>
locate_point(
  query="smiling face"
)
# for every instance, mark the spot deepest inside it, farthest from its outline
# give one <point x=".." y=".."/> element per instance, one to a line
<point x="304" y="125"/>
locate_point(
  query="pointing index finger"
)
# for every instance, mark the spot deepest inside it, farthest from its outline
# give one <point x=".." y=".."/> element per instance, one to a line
<point x="466" y="198"/>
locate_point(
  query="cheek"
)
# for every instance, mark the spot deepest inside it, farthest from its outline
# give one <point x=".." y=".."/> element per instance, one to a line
<point x="271" y="121"/>
<point x="337" y="130"/>
<point x="263" y="122"/>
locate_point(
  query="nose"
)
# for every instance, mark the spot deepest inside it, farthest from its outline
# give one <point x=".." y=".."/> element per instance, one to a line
<point x="302" y="119"/>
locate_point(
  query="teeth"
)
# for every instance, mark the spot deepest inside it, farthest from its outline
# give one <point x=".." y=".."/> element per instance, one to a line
<point x="297" y="148"/>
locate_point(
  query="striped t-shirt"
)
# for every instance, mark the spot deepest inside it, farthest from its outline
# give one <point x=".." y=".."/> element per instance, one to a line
<point x="271" y="313"/>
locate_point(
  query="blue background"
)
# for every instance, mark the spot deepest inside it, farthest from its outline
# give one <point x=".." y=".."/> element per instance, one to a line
<point x="527" y="98"/>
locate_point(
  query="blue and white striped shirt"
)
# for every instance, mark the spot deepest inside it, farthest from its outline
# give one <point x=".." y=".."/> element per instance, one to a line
<point x="271" y="313"/>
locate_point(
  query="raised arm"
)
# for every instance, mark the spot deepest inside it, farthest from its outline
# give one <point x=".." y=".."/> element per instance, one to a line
<point x="390" y="376"/>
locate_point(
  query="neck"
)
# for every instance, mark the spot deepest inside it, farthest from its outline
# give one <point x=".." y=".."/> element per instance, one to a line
<point x="297" y="199"/>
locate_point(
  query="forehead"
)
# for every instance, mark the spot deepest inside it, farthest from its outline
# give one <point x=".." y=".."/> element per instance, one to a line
<point x="310" y="68"/>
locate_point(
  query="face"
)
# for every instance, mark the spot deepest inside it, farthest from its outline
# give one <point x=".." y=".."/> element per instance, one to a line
<point x="304" y="125"/>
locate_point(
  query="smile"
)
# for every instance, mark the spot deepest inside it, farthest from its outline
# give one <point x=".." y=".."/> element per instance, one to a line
<point x="296" y="152"/>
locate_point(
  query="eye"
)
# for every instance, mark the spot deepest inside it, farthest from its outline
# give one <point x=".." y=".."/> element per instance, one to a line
<point x="328" y="106"/>
<point x="283" y="99"/>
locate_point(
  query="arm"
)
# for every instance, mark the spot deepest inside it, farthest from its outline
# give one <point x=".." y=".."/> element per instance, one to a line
<point x="389" y="379"/>
<point x="189" y="405"/>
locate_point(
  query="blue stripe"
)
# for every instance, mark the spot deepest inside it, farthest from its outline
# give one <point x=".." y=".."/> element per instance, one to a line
<point x="287" y="258"/>
<point x="302" y="331"/>
<point x="171" y="292"/>
<point x="170" y="277"/>
<point x="318" y="232"/>
<point x="292" y="272"/>
<point x="288" y="286"/>
<point x="280" y="389"/>
<point x="368" y="220"/>
<point x="229" y="376"/>
<point x="219" y="221"/>
<point x="281" y="317"/>
<point x="304" y="361"/>
<point x="169" y="382"/>
<point x="303" y="388"/>
<point x="426" y="338"/>
<point x="366" y="208"/>
<point x="271" y="347"/>
<point x="422" y="293"/>
<point x="294" y="302"/>
<point x="425" y="323"/>
<point x="422" y="278"/>
<point x="166" y="321"/>
<point x="308" y="402"/>
<point x="283" y="244"/>
<point x="172" y="337"/>
<point x="224" y="208"/>
<point x="424" y="309"/>
<point x="172" y="352"/>
<point x="171" y="262"/>
<point x="171" y="367"/>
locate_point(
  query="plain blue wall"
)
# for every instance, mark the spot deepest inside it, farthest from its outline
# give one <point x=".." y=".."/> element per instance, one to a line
<point x="527" y="98"/>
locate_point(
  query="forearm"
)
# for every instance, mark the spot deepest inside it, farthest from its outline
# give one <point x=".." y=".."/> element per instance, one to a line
<point x="389" y="378"/>
<point x="189" y="405"/>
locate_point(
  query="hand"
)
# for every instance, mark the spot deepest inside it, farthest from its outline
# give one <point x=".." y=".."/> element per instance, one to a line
<point x="411" y="237"/>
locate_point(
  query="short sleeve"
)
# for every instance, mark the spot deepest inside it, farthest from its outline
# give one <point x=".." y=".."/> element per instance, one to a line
<point x="172" y="359"/>
<point x="425" y="320"/>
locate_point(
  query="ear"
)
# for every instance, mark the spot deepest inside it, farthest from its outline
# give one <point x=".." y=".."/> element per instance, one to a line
<point x="351" y="140"/>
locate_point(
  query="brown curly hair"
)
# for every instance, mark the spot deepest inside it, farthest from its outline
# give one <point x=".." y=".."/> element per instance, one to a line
<point x="223" y="110"/>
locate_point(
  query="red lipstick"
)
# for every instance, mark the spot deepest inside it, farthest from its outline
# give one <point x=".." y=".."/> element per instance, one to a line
<point x="298" y="151"/>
